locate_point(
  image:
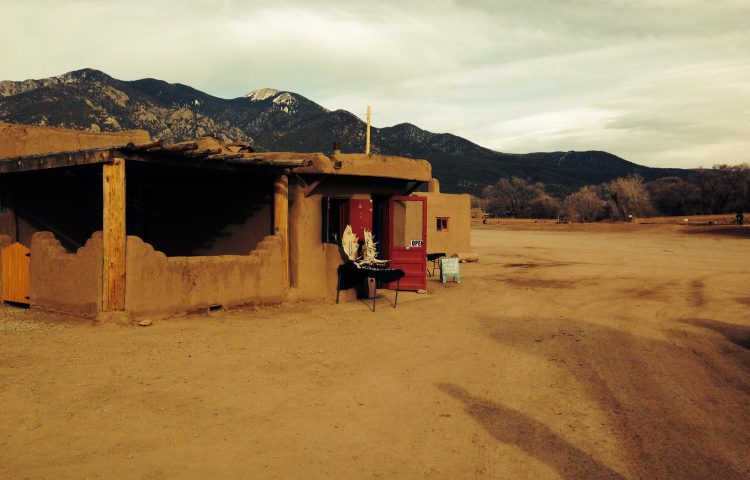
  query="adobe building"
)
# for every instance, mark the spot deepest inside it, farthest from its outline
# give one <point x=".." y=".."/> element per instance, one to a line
<point x="115" y="224"/>
<point x="449" y="220"/>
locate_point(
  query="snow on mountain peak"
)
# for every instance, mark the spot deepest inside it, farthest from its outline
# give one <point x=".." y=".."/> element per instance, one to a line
<point x="262" y="94"/>
<point x="285" y="98"/>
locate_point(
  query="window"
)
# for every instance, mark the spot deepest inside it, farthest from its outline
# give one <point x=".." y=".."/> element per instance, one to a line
<point x="442" y="224"/>
<point x="334" y="219"/>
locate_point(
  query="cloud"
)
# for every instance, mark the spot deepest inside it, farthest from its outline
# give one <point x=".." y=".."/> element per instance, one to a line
<point x="659" y="83"/>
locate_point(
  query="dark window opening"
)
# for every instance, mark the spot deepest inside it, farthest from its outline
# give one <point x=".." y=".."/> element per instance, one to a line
<point x="334" y="221"/>
<point x="442" y="224"/>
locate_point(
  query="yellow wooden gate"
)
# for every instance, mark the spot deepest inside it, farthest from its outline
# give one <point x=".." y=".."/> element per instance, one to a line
<point x="16" y="268"/>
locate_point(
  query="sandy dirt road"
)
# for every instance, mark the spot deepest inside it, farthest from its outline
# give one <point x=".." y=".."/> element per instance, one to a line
<point x="615" y="353"/>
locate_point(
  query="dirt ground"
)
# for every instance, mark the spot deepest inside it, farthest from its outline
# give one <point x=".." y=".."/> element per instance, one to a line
<point x="575" y="352"/>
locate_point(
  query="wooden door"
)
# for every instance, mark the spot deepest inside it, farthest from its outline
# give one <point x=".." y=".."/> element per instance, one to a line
<point x="359" y="216"/>
<point x="15" y="274"/>
<point x="407" y="240"/>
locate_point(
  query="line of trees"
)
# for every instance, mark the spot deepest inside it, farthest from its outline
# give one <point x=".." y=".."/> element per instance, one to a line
<point x="722" y="189"/>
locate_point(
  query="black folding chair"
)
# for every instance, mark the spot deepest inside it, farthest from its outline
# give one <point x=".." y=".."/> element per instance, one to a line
<point x="435" y="259"/>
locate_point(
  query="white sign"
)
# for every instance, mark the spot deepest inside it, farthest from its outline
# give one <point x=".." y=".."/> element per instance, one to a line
<point x="449" y="267"/>
<point x="416" y="243"/>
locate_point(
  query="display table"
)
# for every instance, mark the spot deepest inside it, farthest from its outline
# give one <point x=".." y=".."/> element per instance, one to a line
<point x="351" y="275"/>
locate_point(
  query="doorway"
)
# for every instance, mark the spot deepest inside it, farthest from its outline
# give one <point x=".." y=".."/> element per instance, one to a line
<point x="407" y="240"/>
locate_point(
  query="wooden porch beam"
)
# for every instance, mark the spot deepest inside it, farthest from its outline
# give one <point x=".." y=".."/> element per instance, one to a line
<point x="53" y="160"/>
<point x="113" y="187"/>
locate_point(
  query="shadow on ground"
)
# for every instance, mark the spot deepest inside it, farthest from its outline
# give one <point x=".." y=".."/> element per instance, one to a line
<point x="666" y="400"/>
<point x="723" y="230"/>
<point x="737" y="334"/>
<point x="512" y="427"/>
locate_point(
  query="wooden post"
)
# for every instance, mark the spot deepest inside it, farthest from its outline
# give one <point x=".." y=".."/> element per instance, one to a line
<point x="281" y="219"/>
<point x="367" y="137"/>
<point x="113" y="186"/>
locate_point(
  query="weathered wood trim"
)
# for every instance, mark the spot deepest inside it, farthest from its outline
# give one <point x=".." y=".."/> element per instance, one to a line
<point x="113" y="187"/>
<point x="231" y="162"/>
<point x="56" y="160"/>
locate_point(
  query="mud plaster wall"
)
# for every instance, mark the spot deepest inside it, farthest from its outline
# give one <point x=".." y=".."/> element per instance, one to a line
<point x="160" y="285"/>
<point x="64" y="281"/>
<point x="21" y="140"/>
<point x="312" y="263"/>
<point x="374" y="165"/>
<point x="458" y="209"/>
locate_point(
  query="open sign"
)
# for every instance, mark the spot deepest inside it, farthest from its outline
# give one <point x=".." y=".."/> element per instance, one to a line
<point x="416" y="243"/>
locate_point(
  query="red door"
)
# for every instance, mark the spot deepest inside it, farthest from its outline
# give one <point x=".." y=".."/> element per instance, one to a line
<point x="407" y="240"/>
<point x="359" y="213"/>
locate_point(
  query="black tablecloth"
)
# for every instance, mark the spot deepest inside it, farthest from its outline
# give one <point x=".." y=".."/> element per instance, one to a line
<point x="351" y="275"/>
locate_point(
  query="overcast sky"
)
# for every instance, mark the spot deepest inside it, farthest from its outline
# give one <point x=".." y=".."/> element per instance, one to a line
<point x="661" y="83"/>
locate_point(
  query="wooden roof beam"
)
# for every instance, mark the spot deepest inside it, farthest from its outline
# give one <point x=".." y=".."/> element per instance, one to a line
<point x="55" y="160"/>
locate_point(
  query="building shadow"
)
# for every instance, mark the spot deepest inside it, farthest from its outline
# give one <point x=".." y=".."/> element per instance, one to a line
<point x="512" y="427"/>
<point x="722" y="230"/>
<point x="737" y="334"/>
<point x="660" y="395"/>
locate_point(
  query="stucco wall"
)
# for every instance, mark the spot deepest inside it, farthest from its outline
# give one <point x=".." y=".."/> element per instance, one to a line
<point x="161" y="285"/>
<point x="21" y="140"/>
<point x="352" y="164"/>
<point x="458" y="209"/>
<point x="64" y="281"/>
<point x="312" y="263"/>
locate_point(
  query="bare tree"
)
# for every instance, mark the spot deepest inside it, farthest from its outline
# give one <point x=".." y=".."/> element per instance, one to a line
<point x="477" y="202"/>
<point x="544" y="206"/>
<point x="628" y="196"/>
<point x="584" y="205"/>
<point x="511" y="196"/>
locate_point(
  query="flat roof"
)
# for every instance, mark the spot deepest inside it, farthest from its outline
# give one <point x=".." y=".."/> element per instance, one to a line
<point x="360" y="165"/>
<point x="26" y="148"/>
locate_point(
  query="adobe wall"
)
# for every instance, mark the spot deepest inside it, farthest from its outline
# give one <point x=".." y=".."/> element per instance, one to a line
<point x="353" y="164"/>
<point x="312" y="263"/>
<point x="22" y="140"/>
<point x="157" y="285"/>
<point x="64" y="281"/>
<point x="457" y="207"/>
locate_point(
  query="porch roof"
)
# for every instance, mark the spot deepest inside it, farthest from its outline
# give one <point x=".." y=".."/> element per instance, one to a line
<point x="204" y="153"/>
<point x="30" y="148"/>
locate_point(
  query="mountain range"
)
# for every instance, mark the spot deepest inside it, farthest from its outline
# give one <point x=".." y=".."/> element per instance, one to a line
<point x="273" y="120"/>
